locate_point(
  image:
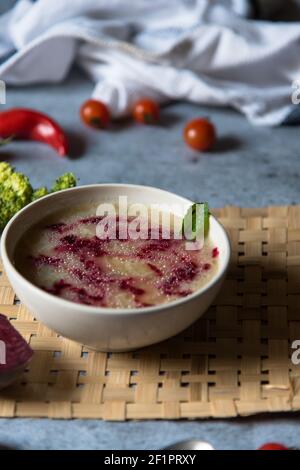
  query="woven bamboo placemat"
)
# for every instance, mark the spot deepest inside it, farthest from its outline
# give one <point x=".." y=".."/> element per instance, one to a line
<point x="234" y="361"/>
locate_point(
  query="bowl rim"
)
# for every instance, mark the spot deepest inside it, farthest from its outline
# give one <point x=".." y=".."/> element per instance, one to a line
<point x="97" y="310"/>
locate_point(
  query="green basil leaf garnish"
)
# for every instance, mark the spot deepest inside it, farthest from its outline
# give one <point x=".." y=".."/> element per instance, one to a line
<point x="197" y="223"/>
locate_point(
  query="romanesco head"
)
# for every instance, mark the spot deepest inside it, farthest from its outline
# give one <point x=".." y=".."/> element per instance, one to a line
<point x="15" y="193"/>
<point x="6" y="171"/>
<point x="65" y="181"/>
<point x="20" y="188"/>
<point x="40" y="192"/>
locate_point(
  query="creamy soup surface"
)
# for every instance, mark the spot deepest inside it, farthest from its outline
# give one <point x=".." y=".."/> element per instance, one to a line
<point x="64" y="256"/>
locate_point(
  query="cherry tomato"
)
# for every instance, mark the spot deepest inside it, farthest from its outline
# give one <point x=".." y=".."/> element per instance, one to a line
<point x="200" y="134"/>
<point x="273" y="446"/>
<point x="146" y="111"/>
<point x="95" y="114"/>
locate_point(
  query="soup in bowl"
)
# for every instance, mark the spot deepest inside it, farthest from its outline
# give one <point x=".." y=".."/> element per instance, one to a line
<point x="106" y="277"/>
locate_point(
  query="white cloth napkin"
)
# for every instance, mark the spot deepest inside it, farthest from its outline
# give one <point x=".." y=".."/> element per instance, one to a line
<point x="195" y="50"/>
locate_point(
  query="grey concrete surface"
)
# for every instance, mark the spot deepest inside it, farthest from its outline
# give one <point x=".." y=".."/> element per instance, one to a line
<point x="237" y="434"/>
<point x="250" y="166"/>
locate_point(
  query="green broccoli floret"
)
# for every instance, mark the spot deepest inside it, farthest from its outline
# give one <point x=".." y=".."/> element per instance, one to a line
<point x="15" y="192"/>
<point x="5" y="171"/>
<point x="65" y="181"/>
<point x="40" y="192"/>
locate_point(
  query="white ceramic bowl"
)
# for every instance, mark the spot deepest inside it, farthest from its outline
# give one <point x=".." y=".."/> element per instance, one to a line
<point x="108" y="329"/>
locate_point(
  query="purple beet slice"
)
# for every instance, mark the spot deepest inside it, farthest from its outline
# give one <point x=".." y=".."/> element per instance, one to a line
<point x="15" y="353"/>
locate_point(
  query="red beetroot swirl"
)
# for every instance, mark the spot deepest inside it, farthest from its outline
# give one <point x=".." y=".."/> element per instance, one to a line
<point x="88" y="273"/>
<point x="28" y="124"/>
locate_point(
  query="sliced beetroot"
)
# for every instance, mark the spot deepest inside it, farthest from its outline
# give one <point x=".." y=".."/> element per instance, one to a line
<point x="15" y="351"/>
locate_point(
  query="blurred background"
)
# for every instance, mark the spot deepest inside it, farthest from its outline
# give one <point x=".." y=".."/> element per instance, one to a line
<point x="257" y="153"/>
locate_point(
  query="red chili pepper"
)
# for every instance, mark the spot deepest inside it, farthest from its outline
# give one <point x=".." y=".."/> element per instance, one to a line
<point x="28" y="124"/>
